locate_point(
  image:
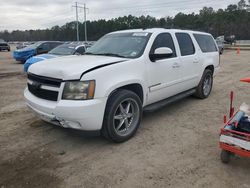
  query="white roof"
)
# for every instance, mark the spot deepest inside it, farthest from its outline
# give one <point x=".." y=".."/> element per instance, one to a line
<point x="156" y="30"/>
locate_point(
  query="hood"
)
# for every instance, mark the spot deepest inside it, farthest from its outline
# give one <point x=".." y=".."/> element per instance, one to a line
<point x="71" y="67"/>
<point x="36" y="59"/>
<point x="26" y="49"/>
<point x="24" y="54"/>
<point x="44" y="56"/>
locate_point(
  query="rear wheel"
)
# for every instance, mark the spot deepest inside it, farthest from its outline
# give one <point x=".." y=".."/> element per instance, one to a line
<point x="122" y="116"/>
<point x="225" y="156"/>
<point x="205" y="86"/>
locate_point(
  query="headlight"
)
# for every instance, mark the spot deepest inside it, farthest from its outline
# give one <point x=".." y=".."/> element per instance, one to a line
<point x="79" y="90"/>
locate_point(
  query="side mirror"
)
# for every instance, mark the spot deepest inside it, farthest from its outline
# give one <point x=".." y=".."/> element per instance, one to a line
<point x="161" y="53"/>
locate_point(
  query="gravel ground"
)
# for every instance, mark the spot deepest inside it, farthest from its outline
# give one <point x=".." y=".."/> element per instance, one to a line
<point x="176" y="146"/>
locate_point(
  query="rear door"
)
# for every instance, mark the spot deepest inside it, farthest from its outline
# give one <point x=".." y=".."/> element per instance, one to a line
<point x="164" y="75"/>
<point x="190" y="61"/>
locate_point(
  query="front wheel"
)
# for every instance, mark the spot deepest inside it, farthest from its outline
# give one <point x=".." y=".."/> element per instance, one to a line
<point x="122" y="116"/>
<point x="205" y="86"/>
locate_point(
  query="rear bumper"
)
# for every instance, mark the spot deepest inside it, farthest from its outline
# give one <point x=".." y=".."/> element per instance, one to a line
<point x="82" y="115"/>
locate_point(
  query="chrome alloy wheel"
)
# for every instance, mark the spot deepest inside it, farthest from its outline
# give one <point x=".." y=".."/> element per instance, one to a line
<point x="126" y="117"/>
<point x="207" y="85"/>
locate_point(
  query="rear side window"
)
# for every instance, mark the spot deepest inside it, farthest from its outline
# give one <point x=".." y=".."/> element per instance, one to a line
<point x="206" y="43"/>
<point x="164" y="40"/>
<point x="54" y="44"/>
<point x="186" y="44"/>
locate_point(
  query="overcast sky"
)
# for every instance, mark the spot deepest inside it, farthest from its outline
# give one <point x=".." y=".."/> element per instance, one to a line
<point x="35" y="14"/>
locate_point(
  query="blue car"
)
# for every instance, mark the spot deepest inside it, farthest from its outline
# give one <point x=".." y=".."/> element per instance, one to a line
<point x="34" y="49"/>
<point x="62" y="50"/>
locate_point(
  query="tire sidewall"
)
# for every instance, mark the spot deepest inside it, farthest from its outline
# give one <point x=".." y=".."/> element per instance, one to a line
<point x="111" y="108"/>
<point x="207" y="73"/>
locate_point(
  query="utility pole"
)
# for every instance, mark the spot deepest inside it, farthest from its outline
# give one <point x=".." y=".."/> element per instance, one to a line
<point x="85" y="23"/>
<point x="77" y="27"/>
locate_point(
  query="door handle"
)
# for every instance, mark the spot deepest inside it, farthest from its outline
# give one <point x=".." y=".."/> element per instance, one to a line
<point x="175" y="65"/>
<point x="196" y="61"/>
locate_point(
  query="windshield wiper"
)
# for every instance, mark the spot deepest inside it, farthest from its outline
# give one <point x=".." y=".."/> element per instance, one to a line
<point x="89" y="53"/>
<point x="111" y="54"/>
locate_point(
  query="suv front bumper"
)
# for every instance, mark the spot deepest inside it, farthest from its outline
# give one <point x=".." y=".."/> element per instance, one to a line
<point x="83" y="115"/>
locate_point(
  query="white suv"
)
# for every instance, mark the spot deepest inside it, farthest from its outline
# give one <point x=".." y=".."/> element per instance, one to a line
<point x="121" y="75"/>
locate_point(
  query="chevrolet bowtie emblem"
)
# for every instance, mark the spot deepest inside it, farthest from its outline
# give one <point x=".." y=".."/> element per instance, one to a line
<point x="36" y="85"/>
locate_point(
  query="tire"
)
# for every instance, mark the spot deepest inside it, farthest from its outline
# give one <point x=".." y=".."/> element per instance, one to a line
<point x="203" y="91"/>
<point x="122" y="116"/>
<point x="225" y="156"/>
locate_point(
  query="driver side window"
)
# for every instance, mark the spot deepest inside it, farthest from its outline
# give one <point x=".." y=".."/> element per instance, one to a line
<point x="44" y="47"/>
<point x="164" y="40"/>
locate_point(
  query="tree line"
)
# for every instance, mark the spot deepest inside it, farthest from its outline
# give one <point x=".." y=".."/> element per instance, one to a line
<point x="234" y="20"/>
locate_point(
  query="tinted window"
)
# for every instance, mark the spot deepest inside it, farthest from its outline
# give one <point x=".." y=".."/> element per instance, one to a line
<point x="80" y="50"/>
<point x="206" y="42"/>
<point x="45" y="46"/>
<point x="164" y="40"/>
<point x="63" y="50"/>
<point x="54" y="44"/>
<point x="185" y="43"/>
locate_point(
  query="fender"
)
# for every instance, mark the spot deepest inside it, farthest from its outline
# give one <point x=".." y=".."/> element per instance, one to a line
<point x="110" y="90"/>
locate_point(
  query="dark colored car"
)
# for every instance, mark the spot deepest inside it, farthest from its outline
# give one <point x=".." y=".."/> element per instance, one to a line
<point x="37" y="48"/>
<point x="62" y="50"/>
<point x="4" y="46"/>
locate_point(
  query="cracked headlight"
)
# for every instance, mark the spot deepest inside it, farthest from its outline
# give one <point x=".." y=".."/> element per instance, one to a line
<point x="79" y="90"/>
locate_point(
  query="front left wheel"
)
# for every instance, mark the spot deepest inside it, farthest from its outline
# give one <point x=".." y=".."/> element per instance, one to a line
<point x="122" y="116"/>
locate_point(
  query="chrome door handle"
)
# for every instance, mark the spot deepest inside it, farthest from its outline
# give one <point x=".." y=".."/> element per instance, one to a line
<point x="175" y="65"/>
<point x="196" y="61"/>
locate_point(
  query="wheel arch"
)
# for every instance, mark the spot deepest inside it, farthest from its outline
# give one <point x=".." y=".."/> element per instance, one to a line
<point x="136" y="87"/>
<point x="210" y="67"/>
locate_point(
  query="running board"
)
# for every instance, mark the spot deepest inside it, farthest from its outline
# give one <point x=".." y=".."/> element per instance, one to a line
<point x="155" y="106"/>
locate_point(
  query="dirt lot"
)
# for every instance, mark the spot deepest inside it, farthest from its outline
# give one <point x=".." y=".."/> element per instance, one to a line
<point x="176" y="146"/>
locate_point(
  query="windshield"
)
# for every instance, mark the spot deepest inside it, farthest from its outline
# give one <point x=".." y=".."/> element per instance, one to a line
<point x="63" y="50"/>
<point x="35" y="45"/>
<point x="128" y="45"/>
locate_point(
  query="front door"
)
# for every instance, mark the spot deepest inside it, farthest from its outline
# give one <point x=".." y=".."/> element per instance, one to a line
<point x="164" y="75"/>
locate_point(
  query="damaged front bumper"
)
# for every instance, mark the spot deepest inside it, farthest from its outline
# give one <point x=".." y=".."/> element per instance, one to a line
<point x="82" y="115"/>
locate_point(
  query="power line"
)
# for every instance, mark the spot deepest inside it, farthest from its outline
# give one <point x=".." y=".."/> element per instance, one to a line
<point x="85" y="21"/>
<point x="77" y="25"/>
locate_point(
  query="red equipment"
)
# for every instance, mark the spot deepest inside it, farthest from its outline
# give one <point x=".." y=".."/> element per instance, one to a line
<point x="245" y="80"/>
<point x="232" y="141"/>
